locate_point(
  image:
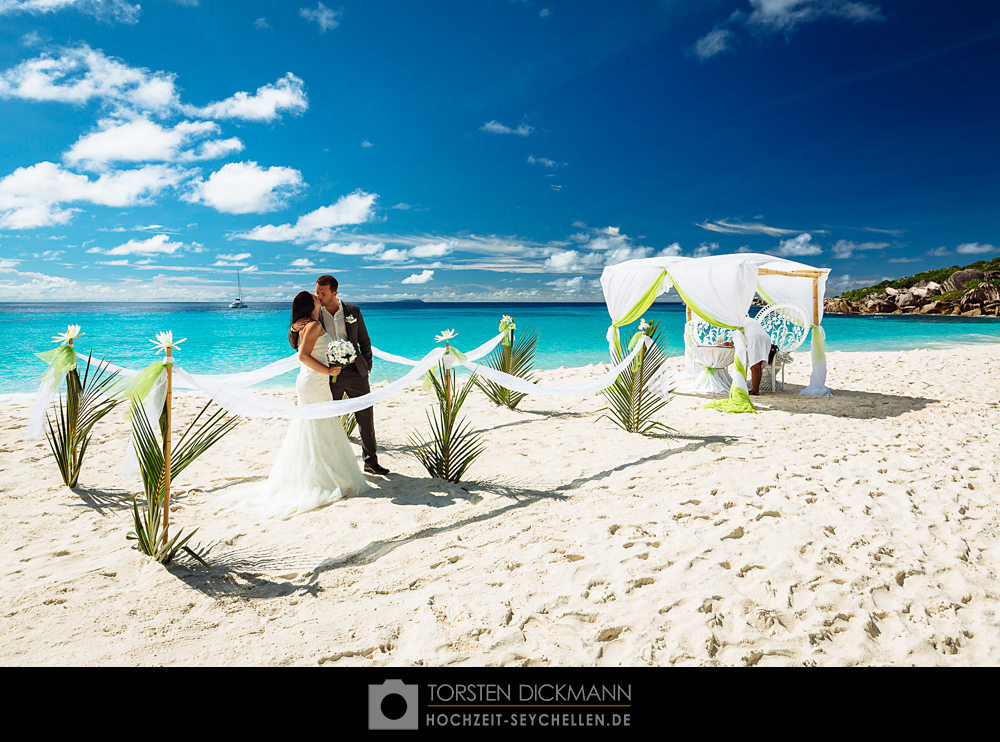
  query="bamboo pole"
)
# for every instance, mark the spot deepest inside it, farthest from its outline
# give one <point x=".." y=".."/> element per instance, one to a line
<point x="794" y="274"/>
<point x="688" y="312"/>
<point x="815" y="300"/>
<point x="166" y="447"/>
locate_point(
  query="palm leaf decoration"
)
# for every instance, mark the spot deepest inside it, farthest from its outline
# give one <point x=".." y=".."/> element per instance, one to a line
<point x="516" y="359"/>
<point x="86" y="402"/>
<point x="201" y="434"/>
<point x="452" y="445"/>
<point x="633" y="400"/>
<point x="348" y="421"/>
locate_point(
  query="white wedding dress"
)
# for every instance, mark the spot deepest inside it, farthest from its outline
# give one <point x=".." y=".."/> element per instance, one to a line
<point x="315" y="464"/>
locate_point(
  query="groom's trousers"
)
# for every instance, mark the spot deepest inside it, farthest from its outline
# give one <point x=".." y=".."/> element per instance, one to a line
<point x="353" y="384"/>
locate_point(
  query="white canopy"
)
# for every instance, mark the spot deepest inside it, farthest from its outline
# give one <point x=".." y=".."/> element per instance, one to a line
<point x="720" y="289"/>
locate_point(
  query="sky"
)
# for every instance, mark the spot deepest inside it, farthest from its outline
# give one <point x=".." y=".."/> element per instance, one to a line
<point x="485" y="150"/>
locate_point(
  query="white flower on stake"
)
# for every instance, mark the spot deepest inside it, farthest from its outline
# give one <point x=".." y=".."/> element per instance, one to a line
<point x="165" y="340"/>
<point x="445" y="336"/>
<point x="72" y="333"/>
<point x="643" y="325"/>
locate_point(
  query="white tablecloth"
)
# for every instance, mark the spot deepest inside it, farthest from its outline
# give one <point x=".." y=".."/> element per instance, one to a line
<point x="712" y="376"/>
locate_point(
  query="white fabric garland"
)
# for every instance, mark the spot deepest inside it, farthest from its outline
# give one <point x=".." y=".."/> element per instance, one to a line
<point x="517" y="384"/>
<point x="817" y="380"/>
<point x="36" y="420"/>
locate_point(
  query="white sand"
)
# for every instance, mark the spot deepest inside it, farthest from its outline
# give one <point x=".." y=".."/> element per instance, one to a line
<point x="857" y="529"/>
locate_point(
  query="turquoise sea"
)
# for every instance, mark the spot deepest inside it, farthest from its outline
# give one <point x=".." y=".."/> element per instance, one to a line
<point x="222" y="340"/>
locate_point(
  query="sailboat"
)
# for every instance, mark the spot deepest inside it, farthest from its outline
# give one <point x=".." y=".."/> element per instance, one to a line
<point x="237" y="303"/>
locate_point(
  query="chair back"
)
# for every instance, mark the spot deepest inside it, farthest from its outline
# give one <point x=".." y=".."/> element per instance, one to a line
<point x="787" y="324"/>
<point x="701" y="332"/>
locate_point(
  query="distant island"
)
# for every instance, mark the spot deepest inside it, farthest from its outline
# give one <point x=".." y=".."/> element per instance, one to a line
<point x="972" y="291"/>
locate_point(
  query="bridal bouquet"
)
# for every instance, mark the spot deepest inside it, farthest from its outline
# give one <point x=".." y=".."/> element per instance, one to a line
<point x="340" y="353"/>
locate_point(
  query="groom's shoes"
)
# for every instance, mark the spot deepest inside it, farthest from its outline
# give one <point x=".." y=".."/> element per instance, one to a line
<point x="375" y="468"/>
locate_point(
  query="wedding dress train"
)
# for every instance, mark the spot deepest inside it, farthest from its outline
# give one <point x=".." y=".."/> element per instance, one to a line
<point x="315" y="465"/>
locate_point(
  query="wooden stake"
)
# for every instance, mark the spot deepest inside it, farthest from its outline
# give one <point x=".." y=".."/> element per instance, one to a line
<point x="166" y="449"/>
<point x="447" y="382"/>
<point x="688" y="312"/>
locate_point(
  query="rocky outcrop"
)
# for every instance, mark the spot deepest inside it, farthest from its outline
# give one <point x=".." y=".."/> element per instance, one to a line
<point x="924" y="297"/>
<point x="957" y="280"/>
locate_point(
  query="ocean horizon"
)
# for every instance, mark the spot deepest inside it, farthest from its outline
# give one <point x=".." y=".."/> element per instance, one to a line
<point x="223" y="340"/>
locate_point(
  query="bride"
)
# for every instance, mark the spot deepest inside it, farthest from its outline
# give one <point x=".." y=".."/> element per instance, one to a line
<point x="315" y="464"/>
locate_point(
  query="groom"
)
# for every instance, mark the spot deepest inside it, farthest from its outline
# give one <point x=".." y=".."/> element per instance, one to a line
<point x="343" y="321"/>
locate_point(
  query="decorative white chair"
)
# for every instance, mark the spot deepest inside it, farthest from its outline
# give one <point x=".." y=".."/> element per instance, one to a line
<point x="788" y="326"/>
<point x="708" y="358"/>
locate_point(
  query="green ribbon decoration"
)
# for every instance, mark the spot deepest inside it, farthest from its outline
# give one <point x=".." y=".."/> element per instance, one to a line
<point x="61" y="361"/>
<point x="818" y="345"/>
<point x="739" y="398"/>
<point x="506" y="328"/>
<point x="142" y="383"/>
<point x="644" y="303"/>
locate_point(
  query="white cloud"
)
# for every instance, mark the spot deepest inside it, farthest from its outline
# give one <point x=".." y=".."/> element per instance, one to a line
<point x="545" y="162"/>
<point x="433" y="250"/>
<point x="495" y="127"/>
<point x="80" y="74"/>
<point x="322" y="16"/>
<point x="785" y="15"/>
<point x="726" y="226"/>
<point x="844" y="249"/>
<point x="714" y="42"/>
<point x="302" y="263"/>
<point x="797" y="246"/>
<point x="393" y="255"/>
<point x="573" y="285"/>
<point x="159" y="244"/>
<point x="116" y="10"/>
<point x="940" y="251"/>
<point x="142" y="140"/>
<point x="287" y="94"/>
<point x="975" y="248"/>
<point x="350" y="248"/>
<point x="31" y="196"/>
<point x="705" y="249"/>
<point x="354" y="208"/>
<point x="245" y="188"/>
<point x="234" y="258"/>
<point x="366" y="144"/>
<point x="544" y="13"/>
<point x="261" y="23"/>
<point x="422" y="277"/>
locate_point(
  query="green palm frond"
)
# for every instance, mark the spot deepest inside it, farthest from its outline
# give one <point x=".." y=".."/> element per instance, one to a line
<point x="632" y="402"/>
<point x="201" y="434"/>
<point x="349" y="421"/>
<point x="452" y="444"/>
<point x="516" y="359"/>
<point x="86" y="402"/>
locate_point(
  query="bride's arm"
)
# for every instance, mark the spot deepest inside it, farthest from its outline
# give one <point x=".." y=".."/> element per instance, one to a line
<point x="307" y="341"/>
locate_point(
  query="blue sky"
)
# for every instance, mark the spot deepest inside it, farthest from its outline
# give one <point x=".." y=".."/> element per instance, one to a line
<point x="485" y="149"/>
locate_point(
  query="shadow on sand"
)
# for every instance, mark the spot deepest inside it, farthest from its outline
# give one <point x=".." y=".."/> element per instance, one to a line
<point x="844" y="403"/>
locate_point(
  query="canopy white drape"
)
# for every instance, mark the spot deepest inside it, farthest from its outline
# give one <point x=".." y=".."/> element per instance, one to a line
<point x="720" y="289"/>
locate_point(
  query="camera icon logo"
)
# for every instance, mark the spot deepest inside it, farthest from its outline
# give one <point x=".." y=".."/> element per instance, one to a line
<point x="393" y="705"/>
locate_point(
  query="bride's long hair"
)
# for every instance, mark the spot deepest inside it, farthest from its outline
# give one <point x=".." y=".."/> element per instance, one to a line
<point x="302" y="306"/>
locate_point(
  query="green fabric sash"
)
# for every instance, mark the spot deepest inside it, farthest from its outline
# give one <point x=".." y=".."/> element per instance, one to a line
<point x="644" y="303"/>
<point x="61" y="361"/>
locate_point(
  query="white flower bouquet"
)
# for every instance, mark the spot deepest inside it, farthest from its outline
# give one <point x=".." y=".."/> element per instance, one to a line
<point x="340" y="353"/>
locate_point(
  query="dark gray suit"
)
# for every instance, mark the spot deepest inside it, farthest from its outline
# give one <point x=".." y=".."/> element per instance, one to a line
<point x="353" y="379"/>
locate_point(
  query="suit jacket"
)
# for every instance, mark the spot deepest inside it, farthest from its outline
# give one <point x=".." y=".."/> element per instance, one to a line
<point x="357" y="334"/>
